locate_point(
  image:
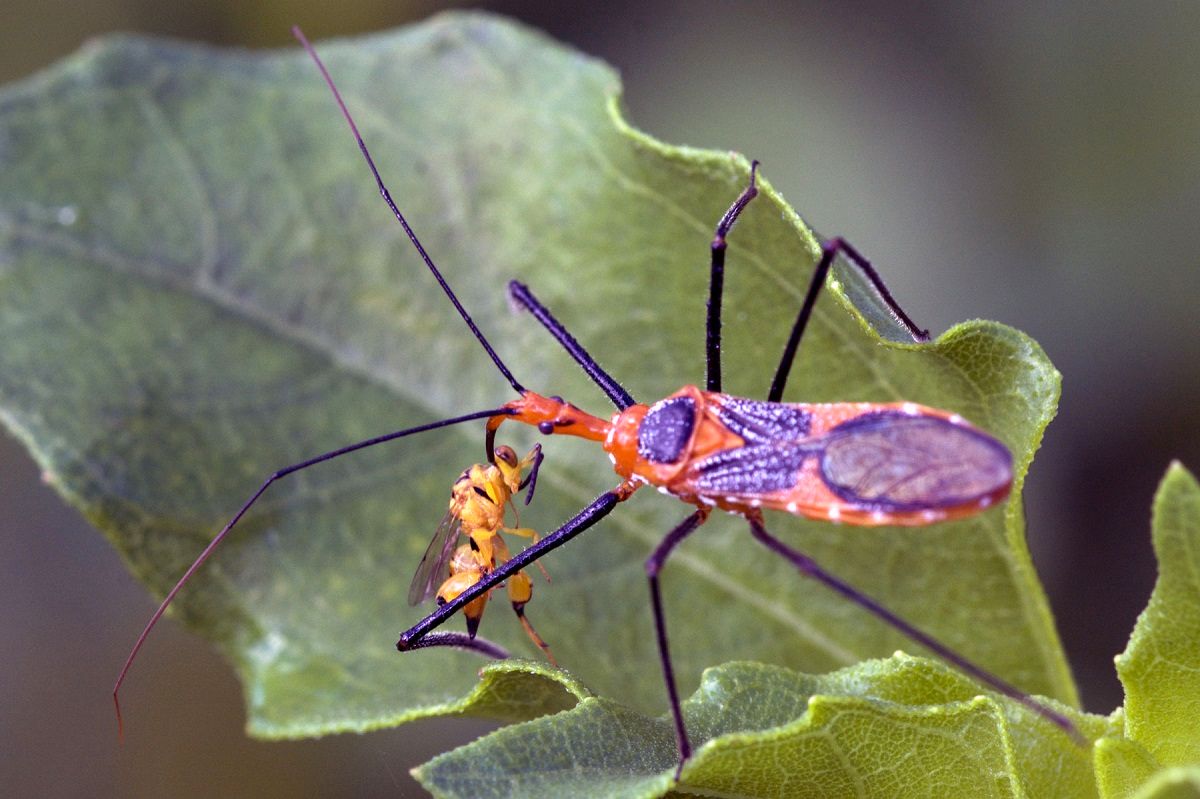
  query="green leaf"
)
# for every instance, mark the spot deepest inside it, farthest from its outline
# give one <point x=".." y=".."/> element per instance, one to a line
<point x="1122" y="765"/>
<point x="199" y="284"/>
<point x="900" y="727"/>
<point x="1180" y="782"/>
<point x="1160" y="668"/>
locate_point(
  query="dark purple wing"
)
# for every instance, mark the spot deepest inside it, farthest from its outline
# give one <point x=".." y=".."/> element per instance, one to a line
<point x="750" y="471"/>
<point x="435" y="563"/>
<point x="893" y="461"/>
<point x="762" y="422"/>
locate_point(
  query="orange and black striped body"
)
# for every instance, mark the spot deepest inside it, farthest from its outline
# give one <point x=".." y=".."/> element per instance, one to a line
<point x="860" y="463"/>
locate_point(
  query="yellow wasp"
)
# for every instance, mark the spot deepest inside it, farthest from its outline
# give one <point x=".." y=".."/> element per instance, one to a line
<point x="478" y="502"/>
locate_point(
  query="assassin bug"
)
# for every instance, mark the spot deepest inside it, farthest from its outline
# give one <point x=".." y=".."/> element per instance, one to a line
<point x="478" y="501"/>
<point x="857" y="463"/>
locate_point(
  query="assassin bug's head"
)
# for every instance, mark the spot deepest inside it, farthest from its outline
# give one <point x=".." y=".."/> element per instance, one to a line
<point x="551" y="416"/>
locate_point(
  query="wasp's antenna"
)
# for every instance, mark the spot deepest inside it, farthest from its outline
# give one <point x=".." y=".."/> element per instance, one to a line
<point x="387" y="197"/>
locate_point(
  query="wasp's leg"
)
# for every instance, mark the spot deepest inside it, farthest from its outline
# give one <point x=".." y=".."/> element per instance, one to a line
<point x="520" y="591"/>
<point x="529" y="532"/>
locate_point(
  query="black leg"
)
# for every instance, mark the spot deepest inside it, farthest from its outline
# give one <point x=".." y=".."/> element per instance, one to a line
<point x="811" y="568"/>
<point x="284" y="472"/>
<point x="716" y="282"/>
<point x="654" y="565"/>
<point x="480" y="646"/>
<point x="830" y="250"/>
<point x="594" y="512"/>
<point x="524" y="297"/>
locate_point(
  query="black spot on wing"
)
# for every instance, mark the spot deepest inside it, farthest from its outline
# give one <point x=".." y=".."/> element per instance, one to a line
<point x="760" y="422"/>
<point x="666" y="430"/>
<point x="892" y="461"/>
<point x="758" y="469"/>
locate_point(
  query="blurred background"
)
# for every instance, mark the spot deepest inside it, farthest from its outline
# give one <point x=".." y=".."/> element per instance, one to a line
<point x="1036" y="165"/>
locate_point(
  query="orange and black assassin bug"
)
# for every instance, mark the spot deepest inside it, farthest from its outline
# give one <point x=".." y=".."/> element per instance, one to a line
<point x="856" y="463"/>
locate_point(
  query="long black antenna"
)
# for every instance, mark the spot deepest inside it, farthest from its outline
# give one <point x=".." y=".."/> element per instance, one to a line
<point x="284" y="472"/>
<point x="387" y="197"/>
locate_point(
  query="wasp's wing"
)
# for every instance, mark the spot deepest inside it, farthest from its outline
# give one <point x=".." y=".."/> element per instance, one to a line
<point x="894" y="461"/>
<point x="435" y="564"/>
